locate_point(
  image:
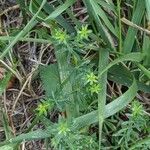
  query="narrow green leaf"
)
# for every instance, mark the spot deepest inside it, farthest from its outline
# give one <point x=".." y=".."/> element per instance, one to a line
<point x="103" y="16"/>
<point x="134" y="57"/>
<point x="140" y="143"/>
<point x="48" y="9"/>
<point x="96" y="19"/>
<point x="7" y="128"/>
<point x="4" y="82"/>
<point x="145" y="50"/>
<point x="36" y="40"/>
<point x="3" y="116"/>
<point x="26" y="29"/>
<point x="110" y="108"/>
<point x="33" y="8"/>
<point x="121" y="101"/>
<point x="147" y="3"/>
<point x="60" y="9"/>
<point x="119" y="25"/>
<point x="103" y="61"/>
<point x="108" y="5"/>
<point x="120" y="74"/>
<point x="145" y="71"/>
<point x="84" y="120"/>
<point x="34" y="135"/>
<point x="137" y="18"/>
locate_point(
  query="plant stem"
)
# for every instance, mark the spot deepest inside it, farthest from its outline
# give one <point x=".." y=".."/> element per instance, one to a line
<point x="119" y="24"/>
<point x="36" y="119"/>
<point x="36" y="40"/>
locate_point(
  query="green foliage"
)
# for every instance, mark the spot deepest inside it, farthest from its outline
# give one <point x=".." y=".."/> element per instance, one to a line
<point x="44" y="107"/>
<point x="134" y="128"/>
<point x="63" y="137"/>
<point x="88" y="56"/>
<point x="91" y="78"/>
<point x="61" y="36"/>
<point x="83" y="33"/>
<point x="6" y="147"/>
<point x="50" y="79"/>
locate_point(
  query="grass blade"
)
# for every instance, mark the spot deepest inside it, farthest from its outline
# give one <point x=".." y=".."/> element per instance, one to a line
<point x="34" y="135"/>
<point x="60" y="9"/>
<point x="140" y="143"/>
<point x="103" y="61"/>
<point x="145" y="50"/>
<point x="120" y="74"/>
<point x="48" y="9"/>
<point x="26" y="29"/>
<point x="100" y="27"/>
<point x="119" y="24"/>
<point x="110" y="109"/>
<point x="103" y="16"/>
<point x="122" y="101"/>
<point x="84" y="120"/>
<point x="130" y="36"/>
<point x="145" y="71"/>
<point x="3" y="85"/>
<point x="134" y="57"/>
<point x="6" y="126"/>
<point x="24" y="39"/>
<point x="147" y="3"/>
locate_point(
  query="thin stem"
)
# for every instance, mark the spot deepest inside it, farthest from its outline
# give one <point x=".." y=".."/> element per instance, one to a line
<point x="119" y="23"/>
<point x="12" y="70"/>
<point x="144" y="70"/>
<point x="36" y="119"/>
<point x="8" y="38"/>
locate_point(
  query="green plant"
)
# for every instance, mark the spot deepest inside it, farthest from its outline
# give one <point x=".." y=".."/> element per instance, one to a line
<point x="94" y="60"/>
<point x="135" y="127"/>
